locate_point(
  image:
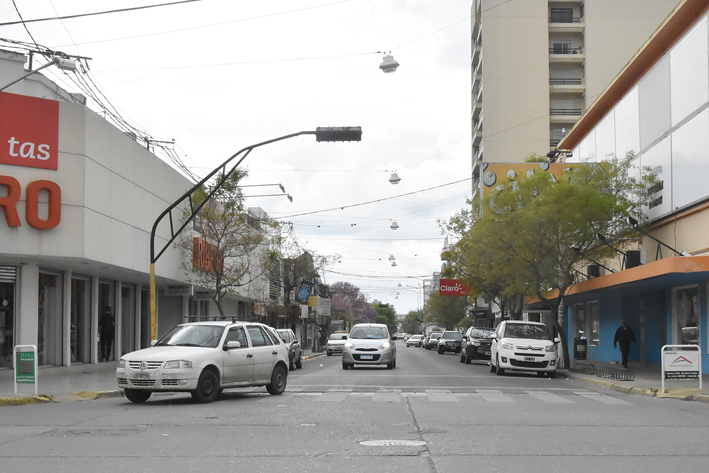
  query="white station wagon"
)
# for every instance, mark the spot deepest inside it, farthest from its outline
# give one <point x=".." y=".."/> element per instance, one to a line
<point x="203" y="358"/>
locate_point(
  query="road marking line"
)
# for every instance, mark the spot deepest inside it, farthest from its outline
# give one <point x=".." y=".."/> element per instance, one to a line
<point x="549" y="398"/>
<point x="441" y="396"/>
<point x="493" y="395"/>
<point x="606" y="399"/>
<point x="387" y="396"/>
<point x="333" y="396"/>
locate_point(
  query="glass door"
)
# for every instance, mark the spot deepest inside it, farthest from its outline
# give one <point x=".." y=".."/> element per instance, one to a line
<point x="7" y="323"/>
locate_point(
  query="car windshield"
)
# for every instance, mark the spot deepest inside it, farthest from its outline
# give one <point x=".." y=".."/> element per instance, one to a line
<point x="285" y="336"/>
<point x="369" y="333"/>
<point x="416" y="336"/>
<point x="481" y="333"/>
<point x="436" y="335"/>
<point x="338" y="336"/>
<point x="533" y="332"/>
<point x="452" y="335"/>
<point x="205" y="336"/>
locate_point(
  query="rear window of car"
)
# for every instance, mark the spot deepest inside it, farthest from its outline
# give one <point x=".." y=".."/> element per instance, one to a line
<point x="481" y="333"/>
<point x="285" y="335"/>
<point x="533" y="332"/>
<point x="435" y="335"/>
<point x="371" y="333"/>
<point x="452" y="335"/>
<point x="338" y="336"/>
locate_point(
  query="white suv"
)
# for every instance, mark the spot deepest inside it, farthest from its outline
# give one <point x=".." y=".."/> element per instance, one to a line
<point x="523" y="346"/>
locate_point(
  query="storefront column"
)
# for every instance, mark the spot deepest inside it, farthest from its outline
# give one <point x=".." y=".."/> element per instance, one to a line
<point x="94" y="318"/>
<point x="28" y="308"/>
<point x="185" y="309"/>
<point x="66" y="321"/>
<point x="118" y="320"/>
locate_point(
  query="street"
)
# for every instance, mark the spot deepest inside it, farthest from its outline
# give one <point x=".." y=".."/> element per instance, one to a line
<point x="430" y="414"/>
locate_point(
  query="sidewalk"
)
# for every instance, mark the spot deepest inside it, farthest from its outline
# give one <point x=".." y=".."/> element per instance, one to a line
<point x="71" y="383"/>
<point x="647" y="382"/>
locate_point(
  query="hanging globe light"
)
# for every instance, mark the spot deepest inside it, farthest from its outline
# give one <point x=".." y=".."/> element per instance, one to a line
<point x="394" y="225"/>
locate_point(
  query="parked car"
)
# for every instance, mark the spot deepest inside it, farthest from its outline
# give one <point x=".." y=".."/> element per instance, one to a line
<point x="476" y="344"/>
<point x="523" y="346"/>
<point x="295" y="352"/>
<point x="432" y="340"/>
<point x="369" y="344"/>
<point x="450" y="341"/>
<point x="414" y="341"/>
<point x="335" y="343"/>
<point x="203" y="358"/>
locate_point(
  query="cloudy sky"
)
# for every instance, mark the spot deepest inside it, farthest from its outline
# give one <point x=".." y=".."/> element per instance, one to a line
<point x="219" y="75"/>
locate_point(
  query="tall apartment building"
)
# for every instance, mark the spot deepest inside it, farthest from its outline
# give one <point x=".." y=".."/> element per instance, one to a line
<point x="537" y="65"/>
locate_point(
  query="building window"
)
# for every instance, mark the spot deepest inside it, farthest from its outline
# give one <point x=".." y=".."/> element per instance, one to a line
<point x="562" y="15"/>
<point x="687" y="316"/>
<point x="593" y="311"/>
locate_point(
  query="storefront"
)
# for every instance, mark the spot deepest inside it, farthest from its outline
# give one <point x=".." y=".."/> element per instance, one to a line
<point x="78" y="198"/>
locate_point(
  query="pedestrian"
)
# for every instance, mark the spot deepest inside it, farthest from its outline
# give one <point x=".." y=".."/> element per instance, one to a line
<point x="107" y="329"/>
<point x="623" y="336"/>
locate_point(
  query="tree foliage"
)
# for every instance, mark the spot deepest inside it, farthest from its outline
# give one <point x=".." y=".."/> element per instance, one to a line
<point x="412" y="322"/>
<point x="349" y="302"/>
<point x="534" y="231"/>
<point x="446" y="311"/>
<point x="387" y="315"/>
<point x="228" y="248"/>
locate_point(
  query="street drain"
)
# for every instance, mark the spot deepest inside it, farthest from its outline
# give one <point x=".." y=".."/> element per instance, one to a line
<point x="393" y="443"/>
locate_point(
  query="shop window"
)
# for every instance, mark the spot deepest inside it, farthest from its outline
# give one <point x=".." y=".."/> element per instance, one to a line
<point x="80" y="339"/>
<point x="594" y="317"/>
<point x="49" y="336"/>
<point x="687" y="316"/>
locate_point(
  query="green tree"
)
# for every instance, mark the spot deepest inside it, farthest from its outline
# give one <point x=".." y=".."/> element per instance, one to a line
<point x="229" y="247"/>
<point x="534" y="231"/>
<point x="446" y="311"/>
<point x="387" y="315"/>
<point x="412" y="322"/>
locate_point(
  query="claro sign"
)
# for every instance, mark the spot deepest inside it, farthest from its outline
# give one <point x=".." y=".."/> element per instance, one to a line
<point x="29" y="136"/>
<point x="453" y="287"/>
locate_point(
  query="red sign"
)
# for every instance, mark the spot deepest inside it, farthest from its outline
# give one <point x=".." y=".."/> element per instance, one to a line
<point x="29" y="131"/>
<point x="13" y="191"/>
<point x="453" y="287"/>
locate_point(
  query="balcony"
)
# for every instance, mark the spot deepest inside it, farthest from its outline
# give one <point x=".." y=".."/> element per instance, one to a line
<point x="566" y="24"/>
<point x="566" y="54"/>
<point x="574" y="85"/>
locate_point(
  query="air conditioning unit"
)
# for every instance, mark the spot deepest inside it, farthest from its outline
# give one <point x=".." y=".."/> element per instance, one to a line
<point x="594" y="271"/>
<point x="635" y="258"/>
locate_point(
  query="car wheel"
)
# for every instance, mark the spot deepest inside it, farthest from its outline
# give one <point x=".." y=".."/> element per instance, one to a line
<point x="279" y="378"/>
<point x="468" y="357"/>
<point x="207" y="387"/>
<point x="299" y="363"/>
<point x="291" y="365"/>
<point x="499" y="370"/>
<point x="440" y="352"/>
<point x="462" y="358"/>
<point x="137" y="396"/>
<point x="493" y="368"/>
<point x="345" y="365"/>
<point x="390" y="366"/>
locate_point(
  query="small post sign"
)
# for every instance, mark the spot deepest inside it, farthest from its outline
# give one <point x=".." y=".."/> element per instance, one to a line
<point x="681" y="362"/>
<point x="26" y="366"/>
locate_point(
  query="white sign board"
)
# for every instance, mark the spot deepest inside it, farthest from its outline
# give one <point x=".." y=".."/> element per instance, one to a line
<point x="324" y="307"/>
<point x="681" y="362"/>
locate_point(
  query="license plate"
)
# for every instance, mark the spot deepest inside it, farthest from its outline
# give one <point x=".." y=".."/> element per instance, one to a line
<point x="529" y="358"/>
<point x="366" y="357"/>
<point x="140" y="375"/>
<point x="487" y="353"/>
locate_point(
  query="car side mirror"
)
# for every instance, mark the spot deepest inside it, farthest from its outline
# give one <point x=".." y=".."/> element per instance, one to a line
<point x="493" y="336"/>
<point x="231" y="344"/>
<point x="557" y="340"/>
<point x="344" y="337"/>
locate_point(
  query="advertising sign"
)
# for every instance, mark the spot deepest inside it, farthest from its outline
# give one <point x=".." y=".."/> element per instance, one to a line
<point x="681" y="364"/>
<point x="24" y="372"/>
<point x="304" y="292"/>
<point x="29" y="131"/>
<point x="325" y="306"/>
<point x="453" y="287"/>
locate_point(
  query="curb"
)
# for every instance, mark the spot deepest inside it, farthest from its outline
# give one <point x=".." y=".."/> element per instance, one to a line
<point x="639" y="390"/>
<point x="314" y="355"/>
<point x="58" y="398"/>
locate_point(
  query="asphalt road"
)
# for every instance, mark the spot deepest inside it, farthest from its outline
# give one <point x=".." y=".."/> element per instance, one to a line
<point x="430" y="414"/>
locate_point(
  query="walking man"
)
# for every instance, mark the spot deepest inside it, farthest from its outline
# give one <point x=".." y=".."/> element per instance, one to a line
<point x="623" y="336"/>
<point x="107" y="329"/>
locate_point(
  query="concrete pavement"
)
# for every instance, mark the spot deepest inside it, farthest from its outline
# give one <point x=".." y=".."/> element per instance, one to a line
<point x="647" y="381"/>
<point x="71" y="383"/>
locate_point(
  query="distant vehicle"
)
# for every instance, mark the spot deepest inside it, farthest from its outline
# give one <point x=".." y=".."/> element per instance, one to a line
<point x="523" y="346"/>
<point x="432" y="340"/>
<point x="476" y="344"/>
<point x="369" y="344"/>
<point x="450" y="341"/>
<point x="335" y="343"/>
<point x="295" y="353"/>
<point x="414" y="341"/>
<point x="203" y="358"/>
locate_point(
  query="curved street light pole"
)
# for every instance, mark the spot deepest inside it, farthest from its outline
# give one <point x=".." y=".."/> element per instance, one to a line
<point x="350" y="133"/>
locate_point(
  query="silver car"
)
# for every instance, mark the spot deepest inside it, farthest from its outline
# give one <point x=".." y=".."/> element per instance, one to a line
<point x="369" y="344"/>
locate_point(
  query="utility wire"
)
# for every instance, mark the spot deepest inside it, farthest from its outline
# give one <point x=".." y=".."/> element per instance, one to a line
<point x="79" y="15"/>
<point x="378" y="200"/>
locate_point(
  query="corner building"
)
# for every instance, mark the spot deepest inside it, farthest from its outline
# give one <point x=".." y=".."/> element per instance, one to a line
<point x="78" y="199"/>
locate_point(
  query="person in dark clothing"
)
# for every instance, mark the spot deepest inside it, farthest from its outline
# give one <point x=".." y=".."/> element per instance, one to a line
<point x="623" y="336"/>
<point x="107" y="329"/>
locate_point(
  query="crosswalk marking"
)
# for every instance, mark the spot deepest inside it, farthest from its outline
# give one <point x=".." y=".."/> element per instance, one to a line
<point x="441" y="396"/>
<point x="549" y="398"/>
<point x="333" y="396"/>
<point x="494" y="395"/>
<point x="387" y="396"/>
<point x="605" y="399"/>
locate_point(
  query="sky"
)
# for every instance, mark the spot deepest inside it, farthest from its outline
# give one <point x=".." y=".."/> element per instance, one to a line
<point x="216" y="76"/>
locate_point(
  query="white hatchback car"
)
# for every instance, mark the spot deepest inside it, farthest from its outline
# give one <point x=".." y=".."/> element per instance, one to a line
<point x="523" y="346"/>
<point x="369" y="344"/>
<point x="203" y="358"/>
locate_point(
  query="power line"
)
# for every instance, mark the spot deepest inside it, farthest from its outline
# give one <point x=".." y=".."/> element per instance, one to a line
<point x="378" y="200"/>
<point x="79" y="15"/>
